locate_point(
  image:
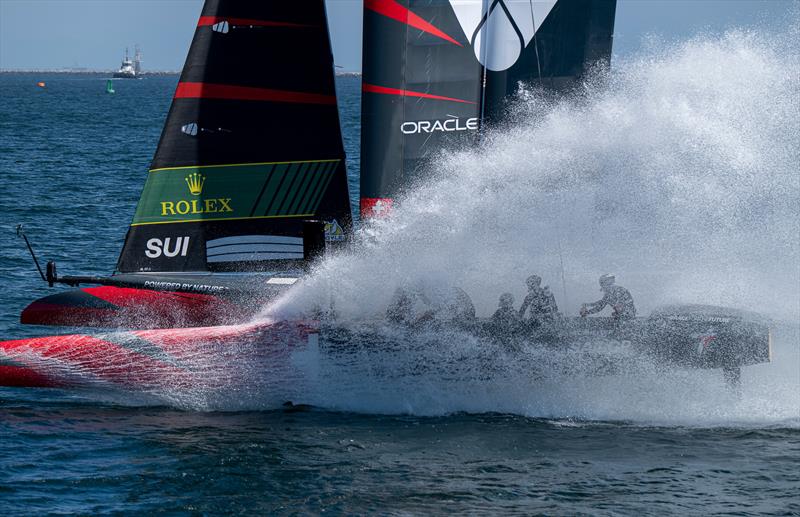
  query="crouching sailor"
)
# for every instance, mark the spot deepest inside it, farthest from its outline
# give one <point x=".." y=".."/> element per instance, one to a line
<point x="505" y="318"/>
<point x="616" y="296"/>
<point x="539" y="301"/>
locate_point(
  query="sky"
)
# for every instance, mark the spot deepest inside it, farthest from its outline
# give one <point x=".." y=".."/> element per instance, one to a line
<point x="56" y="34"/>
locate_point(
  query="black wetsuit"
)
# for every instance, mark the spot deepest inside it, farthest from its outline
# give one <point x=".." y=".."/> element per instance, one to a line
<point x="542" y="304"/>
<point x="618" y="298"/>
<point x="505" y="316"/>
<point x="399" y="310"/>
<point x="461" y="308"/>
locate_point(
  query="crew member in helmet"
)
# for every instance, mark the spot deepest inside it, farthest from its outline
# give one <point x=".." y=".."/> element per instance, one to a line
<point x="460" y="307"/>
<point x="616" y="296"/>
<point x="539" y="301"/>
<point x="505" y="316"/>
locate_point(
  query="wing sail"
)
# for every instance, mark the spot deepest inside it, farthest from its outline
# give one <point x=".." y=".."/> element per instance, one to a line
<point x="421" y="91"/>
<point x="251" y="146"/>
<point x="436" y="71"/>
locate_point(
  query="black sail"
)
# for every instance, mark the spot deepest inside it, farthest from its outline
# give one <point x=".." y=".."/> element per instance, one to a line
<point x="418" y="71"/>
<point x="566" y="37"/>
<point x="436" y="71"/>
<point x="251" y="146"/>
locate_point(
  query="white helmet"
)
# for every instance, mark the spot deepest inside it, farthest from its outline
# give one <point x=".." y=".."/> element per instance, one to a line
<point x="534" y="281"/>
<point x="606" y="280"/>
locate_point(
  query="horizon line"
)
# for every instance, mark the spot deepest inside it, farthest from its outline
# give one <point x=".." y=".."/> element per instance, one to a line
<point x="80" y="70"/>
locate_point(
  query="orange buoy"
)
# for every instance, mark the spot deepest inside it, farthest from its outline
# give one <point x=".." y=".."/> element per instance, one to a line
<point x="40" y="84"/>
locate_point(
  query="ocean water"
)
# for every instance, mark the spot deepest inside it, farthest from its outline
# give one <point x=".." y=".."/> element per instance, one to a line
<point x="676" y="171"/>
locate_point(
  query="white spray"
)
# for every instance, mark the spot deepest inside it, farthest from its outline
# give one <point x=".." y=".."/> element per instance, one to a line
<point x="678" y="171"/>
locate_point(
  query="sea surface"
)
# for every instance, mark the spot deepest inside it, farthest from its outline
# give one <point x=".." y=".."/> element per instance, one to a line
<point x="73" y="160"/>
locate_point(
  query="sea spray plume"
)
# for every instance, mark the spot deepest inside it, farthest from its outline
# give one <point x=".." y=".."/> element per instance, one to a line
<point x="678" y="170"/>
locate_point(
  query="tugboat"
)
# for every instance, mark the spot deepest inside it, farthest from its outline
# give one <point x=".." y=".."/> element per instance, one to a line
<point x="130" y="69"/>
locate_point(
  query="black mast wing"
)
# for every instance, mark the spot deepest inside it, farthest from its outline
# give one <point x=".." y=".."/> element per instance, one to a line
<point x="421" y="91"/>
<point x="435" y="71"/>
<point x="251" y="146"/>
<point x="562" y="40"/>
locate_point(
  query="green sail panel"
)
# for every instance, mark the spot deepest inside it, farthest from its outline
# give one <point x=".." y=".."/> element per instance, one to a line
<point x="234" y="192"/>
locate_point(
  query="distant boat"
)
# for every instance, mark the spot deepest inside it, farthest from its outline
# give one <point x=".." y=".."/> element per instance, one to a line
<point x="130" y="69"/>
<point x="109" y="86"/>
<point x="41" y="84"/>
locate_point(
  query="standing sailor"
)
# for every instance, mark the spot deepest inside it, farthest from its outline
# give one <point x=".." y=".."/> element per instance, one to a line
<point x="616" y="296"/>
<point x="539" y="300"/>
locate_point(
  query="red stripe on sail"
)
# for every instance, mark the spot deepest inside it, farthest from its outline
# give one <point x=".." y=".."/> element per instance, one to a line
<point x="211" y="20"/>
<point x="395" y="11"/>
<point x="246" y="93"/>
<point x="371" y="88"/>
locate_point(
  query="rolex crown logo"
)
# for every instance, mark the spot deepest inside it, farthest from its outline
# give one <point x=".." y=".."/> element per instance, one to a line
<point x="195" y="182"/>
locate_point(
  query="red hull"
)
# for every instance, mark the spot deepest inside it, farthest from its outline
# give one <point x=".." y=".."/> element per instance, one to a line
<point x="121" y="307"/>
<point x="149" y="359"/>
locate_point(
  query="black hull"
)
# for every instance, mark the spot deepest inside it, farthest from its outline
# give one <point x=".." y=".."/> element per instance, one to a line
<point x="685" y="336"/>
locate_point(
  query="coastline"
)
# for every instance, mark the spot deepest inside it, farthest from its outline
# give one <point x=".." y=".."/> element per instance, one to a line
<point x="73" y="71"/>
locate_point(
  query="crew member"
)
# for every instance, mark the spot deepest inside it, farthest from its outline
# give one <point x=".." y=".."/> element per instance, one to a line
<point x="399" y="310"/>
<point x="505" y="315"/>
<point x="616" y="296"/>
<point x="460" y="307"/>
<point x="539" y="300"/>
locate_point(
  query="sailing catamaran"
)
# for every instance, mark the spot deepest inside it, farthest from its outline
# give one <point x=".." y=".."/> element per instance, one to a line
<point x="239" y="200"/>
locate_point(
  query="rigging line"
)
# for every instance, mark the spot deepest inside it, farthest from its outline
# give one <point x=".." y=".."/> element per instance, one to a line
<point x="484" y="70"/>
<point x="559" y="234"/>
<point x="535" y="43"/>
<point x="404" y="72"/>
<point x="563" y="276"/>
<point x="558" y="239"/>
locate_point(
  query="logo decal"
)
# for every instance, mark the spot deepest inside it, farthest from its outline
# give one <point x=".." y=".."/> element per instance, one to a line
<point x="208" y="206"/>
<point x="253" y="248"/>
<point x="333" y="231"/>
<point x="447" y="125"/>
<point x="499" y="30"/>
<point x="157" y="247"/>
<point x="375" y="207"/>
<point x="195" y="182"/>
<point x="704" y="341"/>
